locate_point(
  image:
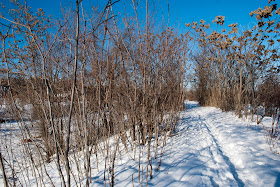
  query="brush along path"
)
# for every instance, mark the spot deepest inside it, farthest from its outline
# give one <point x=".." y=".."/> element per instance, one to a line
<point x="209" y="148"/>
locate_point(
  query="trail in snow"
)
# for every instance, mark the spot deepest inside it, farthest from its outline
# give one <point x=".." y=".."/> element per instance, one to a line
<point x="214" y="148"/>
<point x="196" y="158"/>
<point x="225" y="158"/>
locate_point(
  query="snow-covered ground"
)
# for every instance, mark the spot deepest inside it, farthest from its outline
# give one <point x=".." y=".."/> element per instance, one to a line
<point x="209" y="148"/>
<point x="214" y="148"/>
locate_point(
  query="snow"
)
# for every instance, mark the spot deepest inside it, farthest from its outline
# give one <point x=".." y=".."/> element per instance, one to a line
<point x="209" y="148"/>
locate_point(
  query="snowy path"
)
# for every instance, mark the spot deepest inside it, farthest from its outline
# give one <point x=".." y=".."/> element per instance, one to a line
<point x="214" y="148"/>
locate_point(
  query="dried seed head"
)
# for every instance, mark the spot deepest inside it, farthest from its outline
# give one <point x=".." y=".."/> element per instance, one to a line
<point x="202" y="21"/>
<point x="219" y="20"/>
<point x="277" y="11"/>
<point x="207" y="26"/>
<point x="271" y="42"/>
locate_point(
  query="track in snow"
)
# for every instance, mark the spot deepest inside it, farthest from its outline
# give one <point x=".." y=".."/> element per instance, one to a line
<point x="220" y="152"/>
<point x="213" y="148"/>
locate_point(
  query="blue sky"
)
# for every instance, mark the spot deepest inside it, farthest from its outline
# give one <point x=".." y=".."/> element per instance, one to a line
<point x="181" y="11"/>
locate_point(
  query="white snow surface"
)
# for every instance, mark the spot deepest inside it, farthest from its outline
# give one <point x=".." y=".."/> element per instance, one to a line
<point x="209" y="148"/>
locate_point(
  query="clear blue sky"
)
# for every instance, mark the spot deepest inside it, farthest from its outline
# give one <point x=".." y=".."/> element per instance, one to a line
<point x="181" y="11"/>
